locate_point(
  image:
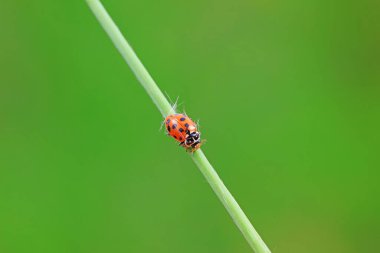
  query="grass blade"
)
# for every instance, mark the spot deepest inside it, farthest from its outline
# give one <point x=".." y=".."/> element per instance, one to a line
<point x="228" y="201"/>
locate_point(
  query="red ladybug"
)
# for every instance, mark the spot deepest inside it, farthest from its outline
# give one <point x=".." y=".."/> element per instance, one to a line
<point x="184" y="130"/>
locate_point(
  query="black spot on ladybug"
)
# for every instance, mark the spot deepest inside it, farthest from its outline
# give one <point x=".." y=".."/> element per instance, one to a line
<point x="186" y="125"/>
<point x="174" y="126"/>
<point x="182" y="119"/>
<point x="168" y="121"/>
<point x="180" y="138"/>
<point x="168" y="128"/>
<point x="181" y="130"/>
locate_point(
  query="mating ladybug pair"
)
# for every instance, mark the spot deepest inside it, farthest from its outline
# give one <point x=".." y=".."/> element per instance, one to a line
<point x="184" y="130"/>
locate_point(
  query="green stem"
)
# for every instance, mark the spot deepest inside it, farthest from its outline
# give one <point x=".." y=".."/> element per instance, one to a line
<point x="165" y="108"/>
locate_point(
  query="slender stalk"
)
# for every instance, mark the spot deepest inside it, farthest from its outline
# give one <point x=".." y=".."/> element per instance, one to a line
<point x="165" y="108"/>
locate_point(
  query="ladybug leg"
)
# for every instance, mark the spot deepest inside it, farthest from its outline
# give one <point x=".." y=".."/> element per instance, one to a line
<point x="190" y="150"/>
<point x="182" y="144"/>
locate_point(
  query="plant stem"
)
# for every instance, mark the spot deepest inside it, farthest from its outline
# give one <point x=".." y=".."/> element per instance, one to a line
<point x="165" y="108"/>
<point x="229" y="202"/>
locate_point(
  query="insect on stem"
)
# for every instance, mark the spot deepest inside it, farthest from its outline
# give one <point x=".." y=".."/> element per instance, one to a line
<point x="228" y="201"/>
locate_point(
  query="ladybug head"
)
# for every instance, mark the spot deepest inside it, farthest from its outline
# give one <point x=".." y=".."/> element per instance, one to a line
<point x="193" y="140"/>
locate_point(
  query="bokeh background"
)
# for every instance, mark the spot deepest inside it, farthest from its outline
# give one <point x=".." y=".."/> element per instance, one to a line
<point x="287" y="94"/>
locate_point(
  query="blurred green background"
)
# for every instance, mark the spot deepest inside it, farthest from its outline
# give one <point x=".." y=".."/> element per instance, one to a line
<point x="287" y="93"/>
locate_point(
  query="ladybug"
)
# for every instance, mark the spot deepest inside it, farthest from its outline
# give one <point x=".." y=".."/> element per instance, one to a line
<point x="184" y="130"/>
